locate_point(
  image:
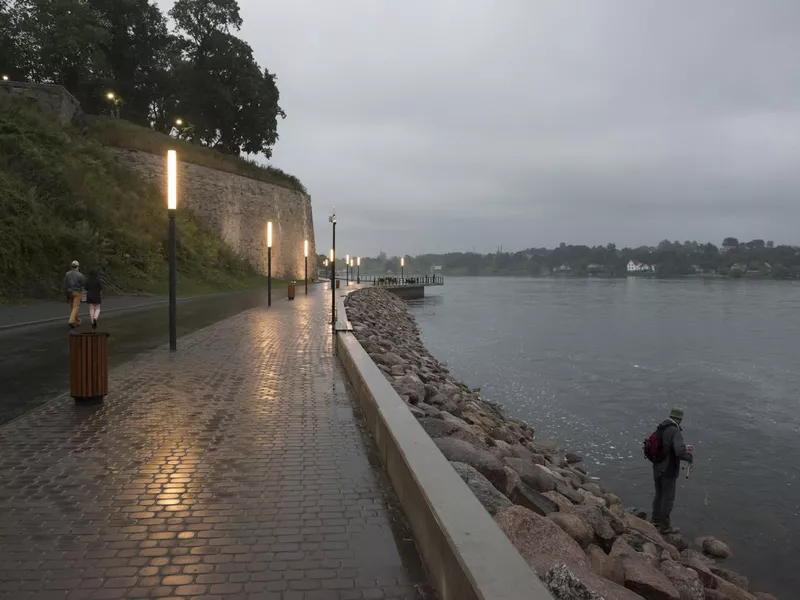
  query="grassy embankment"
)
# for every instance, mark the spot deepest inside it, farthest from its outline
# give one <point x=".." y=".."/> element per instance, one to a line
<point x="63" y="197"/>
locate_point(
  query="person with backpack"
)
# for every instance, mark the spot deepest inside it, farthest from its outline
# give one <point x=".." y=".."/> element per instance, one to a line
<point x="665" y="448"/>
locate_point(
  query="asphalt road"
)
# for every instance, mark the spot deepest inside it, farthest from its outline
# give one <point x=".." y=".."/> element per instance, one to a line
<point x="34" y="360"/>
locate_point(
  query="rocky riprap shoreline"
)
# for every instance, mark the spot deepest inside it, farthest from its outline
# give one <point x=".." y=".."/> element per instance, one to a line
<point x="570" y="529"/>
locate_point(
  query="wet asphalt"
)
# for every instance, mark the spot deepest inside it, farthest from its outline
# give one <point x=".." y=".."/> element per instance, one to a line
<point x="34" y="360"/>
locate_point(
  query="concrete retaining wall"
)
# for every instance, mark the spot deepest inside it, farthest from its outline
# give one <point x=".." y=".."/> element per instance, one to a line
<point x="466" y="554"/>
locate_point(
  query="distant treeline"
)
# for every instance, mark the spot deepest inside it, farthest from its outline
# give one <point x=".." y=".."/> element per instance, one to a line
<point x="196" y="80"/>
<point x="755" y="258"/>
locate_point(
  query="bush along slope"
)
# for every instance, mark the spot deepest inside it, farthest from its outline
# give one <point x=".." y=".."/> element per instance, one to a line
<point x="62" y="198"/>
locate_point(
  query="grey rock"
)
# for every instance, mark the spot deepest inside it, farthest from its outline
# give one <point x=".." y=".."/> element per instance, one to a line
<point x="430" y="390"/>
<point x="574" y="526"/>
<point x="390" y="359"/>
<point x="533" y="475"/>
<point x="464" y="452"/>
<point x="641" y="576"/>
<point x="437" y="428"/>
<point x="571" y="582"/>
<point x="731" y="591"/>
<point x="411" y="386"/>
<point x="598" y="523"/>
<point x="532" y="500"/>
<point x="520" y="451"/>
<point x="512" y="481"/>
<point x="398" y="370"/>
<point x="676" y="540"/>
<point x="535" y="536"/>
<point x="564" y="505"/>
<point x="736" y="579"/>
<point x="593" y="489"/>
<point x="484" y="491"/>
<point x="573" y="458"/>
<point x="543" y="446"/>
<point x="569" y="492"/>
<point x="714" y="547"/>
<point x="685" y="580"/>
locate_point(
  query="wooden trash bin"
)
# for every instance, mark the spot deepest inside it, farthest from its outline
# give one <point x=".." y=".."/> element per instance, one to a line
<point x="88" y="365"/>
<point x="292" y="290"/>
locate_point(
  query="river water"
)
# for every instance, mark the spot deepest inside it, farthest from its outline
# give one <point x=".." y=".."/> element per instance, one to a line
<point x="595" y="364"/>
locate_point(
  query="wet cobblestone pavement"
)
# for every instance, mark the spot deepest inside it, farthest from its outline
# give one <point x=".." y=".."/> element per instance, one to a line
<point x="235" y="468"/>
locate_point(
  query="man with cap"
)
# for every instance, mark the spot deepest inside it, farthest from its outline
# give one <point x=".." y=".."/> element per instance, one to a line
<point x="74" y="282"/>
<point x="665" y="472"/>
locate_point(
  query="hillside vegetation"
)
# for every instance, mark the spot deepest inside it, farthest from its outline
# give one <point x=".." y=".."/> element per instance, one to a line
<point x="63" y="198"/>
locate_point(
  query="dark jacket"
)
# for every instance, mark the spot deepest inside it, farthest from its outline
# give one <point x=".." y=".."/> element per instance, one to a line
<point x="93" y="288"/>
<point x="674" y="447"/>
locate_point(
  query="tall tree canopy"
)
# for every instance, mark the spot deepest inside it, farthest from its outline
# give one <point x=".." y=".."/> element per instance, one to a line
<point x="201" y="72"/>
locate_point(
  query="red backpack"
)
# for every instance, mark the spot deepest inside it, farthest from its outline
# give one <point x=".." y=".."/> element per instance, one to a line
<point x="652" y="445"/>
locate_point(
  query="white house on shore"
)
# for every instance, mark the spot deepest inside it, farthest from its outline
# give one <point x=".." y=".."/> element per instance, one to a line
<point x="634" y="266"/>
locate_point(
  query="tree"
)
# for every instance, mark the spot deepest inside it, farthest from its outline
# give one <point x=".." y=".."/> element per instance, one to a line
<point x="59" y="42"/>
<point x="139" y="53"/>
<point x="230" y="101"/>
<point x="770" y="244"/>
<point x="730" y="242"/>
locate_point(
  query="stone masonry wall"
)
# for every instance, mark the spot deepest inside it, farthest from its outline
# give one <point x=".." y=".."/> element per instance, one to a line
<point x="53" y="99"/>
<point x="238" y="208"/>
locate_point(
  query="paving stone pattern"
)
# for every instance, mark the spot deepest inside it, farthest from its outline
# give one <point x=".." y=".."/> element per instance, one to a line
<point x="235" y="468"/>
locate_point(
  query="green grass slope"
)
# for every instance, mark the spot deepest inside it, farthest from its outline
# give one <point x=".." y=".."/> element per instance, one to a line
<point x="63" y="198"/>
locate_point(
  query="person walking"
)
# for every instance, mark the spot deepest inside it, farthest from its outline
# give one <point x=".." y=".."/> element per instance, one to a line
<point x="666" y="465"/>
<point x="73" y="288"/>
<point x="94" y="288"/>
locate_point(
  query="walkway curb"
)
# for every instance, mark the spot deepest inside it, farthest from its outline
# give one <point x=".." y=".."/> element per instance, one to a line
<point x="467" y="555"/>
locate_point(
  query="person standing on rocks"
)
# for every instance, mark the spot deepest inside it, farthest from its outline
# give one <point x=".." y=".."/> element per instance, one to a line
<point x="666" y="470"/>
<point x="73" y="288"/>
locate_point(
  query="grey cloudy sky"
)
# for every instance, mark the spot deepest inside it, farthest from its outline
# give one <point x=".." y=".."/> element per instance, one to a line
<point x="447" y="125"/>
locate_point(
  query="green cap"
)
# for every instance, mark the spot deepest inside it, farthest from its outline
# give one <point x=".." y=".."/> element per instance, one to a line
<point x="676" y="413"/>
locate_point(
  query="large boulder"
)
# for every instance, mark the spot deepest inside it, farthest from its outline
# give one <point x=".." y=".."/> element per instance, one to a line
<point x="543" y="447"/>
<point x="676" y="540"/>
<point x="481" y="460"/>
<point x="411" y="386"/>
<point x="731" y="591"/>
<point x="512" y="481"/>
<point x="533" y="475"/>
<point x="531" y="499"/>
<point x="574" y="526"/>
<point x="539" y="540"/>
<point x="595" y="519"/>
<point x="764" y="596"/>
<point x="574" y="583"/>
<point x="642" y="526"/>
<point x="570" y="492"/>
<point x="736" y="579"/>
<point x="641" y="576"/>
<point x="714" y="547"/>
<point x="685" y="580"/>
<point x="389" y="359"/>
<point x="484" y="491"/>
<point x="564" y="505"/>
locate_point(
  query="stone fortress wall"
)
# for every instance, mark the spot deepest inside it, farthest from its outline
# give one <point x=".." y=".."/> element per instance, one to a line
<point x="237" y="208"/>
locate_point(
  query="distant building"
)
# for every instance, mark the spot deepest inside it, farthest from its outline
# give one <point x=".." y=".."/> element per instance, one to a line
<point x="564" y="269"/>
<point x="437" y="267"/>
<point x="634" y="266"/>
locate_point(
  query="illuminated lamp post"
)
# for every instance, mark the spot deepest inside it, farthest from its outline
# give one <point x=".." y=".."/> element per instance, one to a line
<point x="305" y="253"/>
<point x="269" y="263"/>
<point x="172" y="205"/>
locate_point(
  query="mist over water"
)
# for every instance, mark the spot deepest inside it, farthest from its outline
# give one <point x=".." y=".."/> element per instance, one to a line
<point x="596" y="364"/>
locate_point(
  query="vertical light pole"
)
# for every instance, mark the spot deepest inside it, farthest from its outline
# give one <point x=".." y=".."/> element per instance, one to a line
<point x="269" y="263"/>
<point x="172" y="205"/>
<point x="305" y="253"/>
<point x="402" y="269"/>
<point x="332" y="219"/>
<point x="358" y="278"/>
<point x="347" y="269"/>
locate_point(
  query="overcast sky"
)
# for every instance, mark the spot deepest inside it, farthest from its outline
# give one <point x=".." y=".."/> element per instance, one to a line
<point x="448" y="125"/>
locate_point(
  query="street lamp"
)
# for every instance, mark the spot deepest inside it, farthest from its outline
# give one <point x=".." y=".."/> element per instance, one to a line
<point x="347" y="269"/>
<point x="172" y="205"/>
<point x="402" y="269"/>
<point x="269" y="263"/>
<point x="332" y="220"/>
<point x="358" y="279"/>
<point x="5" y="77"/>
<point x="305" y="253"/>
<point x="178" y="122"/>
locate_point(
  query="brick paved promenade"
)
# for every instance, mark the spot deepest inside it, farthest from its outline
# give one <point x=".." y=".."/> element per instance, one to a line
<point x="235" y="468"/>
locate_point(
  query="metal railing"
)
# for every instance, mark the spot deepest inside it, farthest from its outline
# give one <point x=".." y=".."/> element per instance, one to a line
<point x="384" y="280"/>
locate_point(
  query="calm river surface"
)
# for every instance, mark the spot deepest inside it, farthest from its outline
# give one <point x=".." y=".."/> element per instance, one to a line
<point x="596" y="364"/>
